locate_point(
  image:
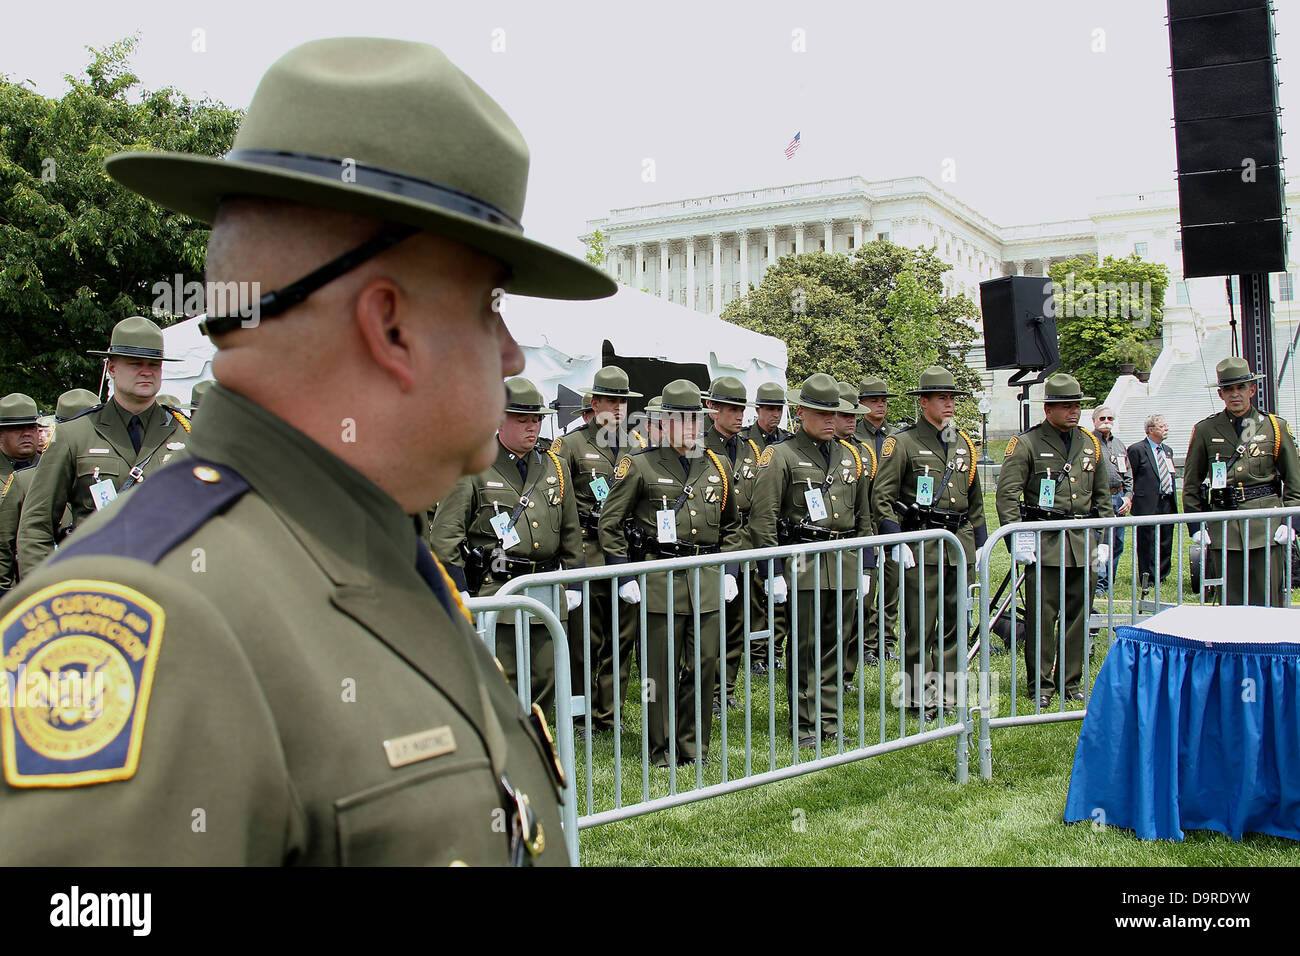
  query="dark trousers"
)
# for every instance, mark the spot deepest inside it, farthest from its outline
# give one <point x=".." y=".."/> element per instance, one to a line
<point x="541" y="657"/>
<point x="1043" y="659"/>
<point x="1278" y="556"/>
<point x="822" y="673"/>
<point x="920" y="651"/>
<point x="888" y="581"/>
<point x="1114" y="537"/>
<point x="1146" y="542"/>
<point x="601" y="652"/>
<point x="678" y="682"/>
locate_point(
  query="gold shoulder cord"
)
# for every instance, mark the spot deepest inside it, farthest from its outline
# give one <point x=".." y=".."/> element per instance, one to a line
<point x="970" y="445"/>
<point x="1277" y="434"/>
<point x="875" y="464"/>
<point x="854" y="452"/>
<point x="639" y="440"/>
<point x="8" y="481"/>
<point x="180" y="420"/>
<point x="451" y="588"/>
<point x="717" y="463"/>
<point x="1096" y="446"/>
<point x="754" y="445"/>
<point x="559" y="472"/>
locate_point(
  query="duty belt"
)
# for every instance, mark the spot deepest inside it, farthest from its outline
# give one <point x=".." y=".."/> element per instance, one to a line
<point x="589" y="521"/>
<point x="1030" y="512"/>
<point x="679" y="550"/>
<point x="948" y="520"/>
<point x="516" y="567"/>
<point x="804" y="532"/>
<point x="1227" y="499"/>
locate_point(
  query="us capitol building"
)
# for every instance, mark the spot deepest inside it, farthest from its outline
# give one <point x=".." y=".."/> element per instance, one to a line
<point x="704" y="252"/>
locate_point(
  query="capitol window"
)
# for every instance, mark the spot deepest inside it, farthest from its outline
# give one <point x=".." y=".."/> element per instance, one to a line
<point x="1285" y="291"/>
<point x="1140" y="249"/>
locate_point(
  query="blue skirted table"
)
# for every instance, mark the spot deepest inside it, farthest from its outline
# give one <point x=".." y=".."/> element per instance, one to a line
<point x="1194" y="724"/>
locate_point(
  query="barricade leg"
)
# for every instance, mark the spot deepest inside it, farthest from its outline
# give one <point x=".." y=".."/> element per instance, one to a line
<point x="543" y="659"/>
<point x="1041" y="645"/>
<point x="918" y="624"/>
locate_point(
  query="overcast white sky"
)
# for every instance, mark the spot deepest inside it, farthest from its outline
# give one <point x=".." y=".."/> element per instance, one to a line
<point x="1037" y="123"/>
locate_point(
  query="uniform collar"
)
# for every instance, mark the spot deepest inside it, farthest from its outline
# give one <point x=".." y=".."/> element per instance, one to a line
<point x="318" y="491"/>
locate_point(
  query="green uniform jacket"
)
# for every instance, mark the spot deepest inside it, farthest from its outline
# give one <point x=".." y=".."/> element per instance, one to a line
<point x="784" y="473"/>
<point x="12" y="493"/>
<point x="1269" y="453"/>
<point x="547" y="525"/>
<point x="1082" y="484"/>
<point x="86" y="449"/>
<point x="291" y="635"/>
<point x="914" y="452"/>
<point x="761" y="439"/>
<point x="744" y="472"/>
<point x="708" y="516"/>
<point x="590" y="456"/>
<point x="866" y="432"/>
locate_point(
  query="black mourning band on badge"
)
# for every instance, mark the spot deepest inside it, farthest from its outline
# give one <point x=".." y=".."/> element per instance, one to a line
<point x="281" y="300"/>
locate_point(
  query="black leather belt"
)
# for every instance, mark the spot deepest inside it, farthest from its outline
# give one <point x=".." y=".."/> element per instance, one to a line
<point x="948" y="520"/>
<point x="1251" y="492"/>
<point x="516" y="567"/>
<point x="810" y="532"/>
<point x="680" y="550"/>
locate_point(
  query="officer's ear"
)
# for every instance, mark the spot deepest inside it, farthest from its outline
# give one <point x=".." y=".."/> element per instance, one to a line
<point x="385" y="333"/>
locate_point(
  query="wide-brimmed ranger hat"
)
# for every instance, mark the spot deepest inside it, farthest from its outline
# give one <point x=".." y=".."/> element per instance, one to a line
<point x="73" y="402"/>
<point x="384" y="128"/>
<point x="679" y="397"/>
<point x="936" y="379"/>
<point x="611" y="382"/>
<point x="819" y="392"/>
<point x="873" y="386"/>
<point x="727" y="390"/>
<point x="136" y="337"/>
<point x="524" y="398"/>
<point x="1063" y="388"/>
<point x="18" y="409"/>
<point x="1234" y="371"/>
<point x="770" y="393"/>
<point x="849" y="395"/>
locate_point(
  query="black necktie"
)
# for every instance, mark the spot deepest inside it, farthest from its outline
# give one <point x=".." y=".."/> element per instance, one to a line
<point x="136" y="431"/>
<point x="432" y="576"/>
<point x="686" y="464"/>
<point x="731" y="448"/>
<point x="1065" y="440"/>
<point x="1237" y="423"/>
<point x="880" y="440"/>
<point x="522" y="465"/>
<point x="826" y="454"/>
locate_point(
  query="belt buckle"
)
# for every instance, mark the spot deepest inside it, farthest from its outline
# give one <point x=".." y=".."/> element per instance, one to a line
<point x="136" y="473"/>
<point x="1239" y="493"/>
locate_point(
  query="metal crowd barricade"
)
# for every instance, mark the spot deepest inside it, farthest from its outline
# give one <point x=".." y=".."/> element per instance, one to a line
<point x="1215" y="523"/>
<point x="612" y="803"/>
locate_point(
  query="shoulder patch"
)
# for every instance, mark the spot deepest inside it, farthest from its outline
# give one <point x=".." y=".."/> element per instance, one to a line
<point x="887" y="449"/>
<point x="1011" y="446"/>
<point x="557" y="444"/>
<point x="765" y="458"/>
<point x="622" y="468"/>
<point x="82" y="655"/>
<point x="8" y="482"/>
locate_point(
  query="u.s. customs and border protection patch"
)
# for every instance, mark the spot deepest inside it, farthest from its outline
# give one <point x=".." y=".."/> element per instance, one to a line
<point x="887" y="448"/>
<point x="765" y="459"/>
<point x="79" y="659"/>
<point x="623" y="467"/>
<point x="1011" y="446"/>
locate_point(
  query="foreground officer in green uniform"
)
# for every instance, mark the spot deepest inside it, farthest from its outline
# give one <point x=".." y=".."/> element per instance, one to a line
<point x="111" y="448"/>
<point x="769" y="406"/>
<point x="1242" y="458"/>
<point x="679" y="500"/>
<point x="810" y="488"/>
<point x="1055" y="471"/>
<point x="872" y="430"/>
<point x="518" y="517"/>
<point x="314" y="694"/>
<point x="928" y="480"/>
<point x="14" y="492"/>
<point x="726" y="401"/>
<point x="591" y="453"/>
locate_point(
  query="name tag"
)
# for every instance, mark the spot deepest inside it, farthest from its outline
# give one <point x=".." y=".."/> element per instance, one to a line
<point x="666" y="481"/>
<point x="1218" y="474"/>
<point x="1047" y="492"/>
<point x="667" y="522"/>
<point x="925" y="490"/>
<point x="1121" y="463"/>
<point x="102" y="492"/>
<point x="420" y="746"/>
<point x="816" y="505"/>
<point x="505" y="533"/>
<point x="1047" y="454"/>
<point x="98" y="451"/>
<point x="924" y="451"/>
<point x="590" y="454"/>
<point x="494" y="484"/>
<point x="600" y="488"/>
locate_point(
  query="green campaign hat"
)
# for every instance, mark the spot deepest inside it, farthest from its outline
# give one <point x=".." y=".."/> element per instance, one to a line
<point x="136" y="337"/>
<point x="18" y="409"/>
<point x="1063" y="388"/>
<point x="849" y="395"/>
<point x="611" y="381"/>
<point x="168" y="401"/>
<point x="654" y="404"/>
<point x="937" y="379"/>
<point x="770" y="393"/>
<point x="1234" y="371"/>
<point x="820" y="392"/>
<point x="680" y="396"/>
<point x="873" y="386"/>
<point x="384" y="128"/>
<point x="199" y="390"/>
<point x="524" y="398"/>
<point x="73" y="402"/>
<point x="727" y="390"/>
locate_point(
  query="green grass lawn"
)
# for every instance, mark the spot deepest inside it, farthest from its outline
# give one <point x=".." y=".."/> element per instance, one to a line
<point x="902" y="808"/>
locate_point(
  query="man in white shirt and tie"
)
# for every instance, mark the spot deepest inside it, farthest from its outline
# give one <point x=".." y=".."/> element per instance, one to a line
<point x="1152" y="464"/>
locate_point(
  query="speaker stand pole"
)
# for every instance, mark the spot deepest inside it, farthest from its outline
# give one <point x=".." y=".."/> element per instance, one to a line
<point x="1257" y="336"/>
<point x="1019" y="379"/>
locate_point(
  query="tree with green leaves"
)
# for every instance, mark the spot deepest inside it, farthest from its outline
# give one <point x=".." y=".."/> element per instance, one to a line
<point x="78" y="253"/>
<point x="595" y="247"/>
<point x="1107" y="314"/>
<point x="880" y="311"/>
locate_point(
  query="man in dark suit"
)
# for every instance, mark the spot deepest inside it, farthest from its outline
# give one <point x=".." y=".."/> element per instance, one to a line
<point x="1152" y="464"/>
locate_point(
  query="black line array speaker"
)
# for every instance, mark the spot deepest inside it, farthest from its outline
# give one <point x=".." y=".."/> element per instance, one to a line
<point x="1019" y="325"/>
<point x="1231" y="189"/>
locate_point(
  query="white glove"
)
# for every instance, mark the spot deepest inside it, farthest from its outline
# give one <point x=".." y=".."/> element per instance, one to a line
<point x="573" y="599"/>
<point x="729" y="588"/>
<point x="1203" y="538"/>
<point x="630" y="592"/>
<point x="1103" y="557"/>
<point x="464" y="596"/>
<point x="903" y="554"/>
<point x="979" y="553"/>
<point x="1285" y="534"/>
<point x="1025" y="557"/>
<point x="866" y="584"/>
<point x="776" y="587"/>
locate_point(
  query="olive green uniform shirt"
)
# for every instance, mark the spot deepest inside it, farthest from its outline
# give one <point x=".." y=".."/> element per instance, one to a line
<point x="12" y="493"/>
<point x="590" y="457"/>
<point x="1082" y="484"/>
<point x="761" y="438"/>
<point x="1268" y="454"/>
<point x="741" y="456"/>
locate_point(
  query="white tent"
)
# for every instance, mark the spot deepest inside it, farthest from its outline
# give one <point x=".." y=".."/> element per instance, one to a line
<point x="564" y="342"/>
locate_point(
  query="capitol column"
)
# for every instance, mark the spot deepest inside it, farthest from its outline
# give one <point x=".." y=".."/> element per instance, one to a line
<point x="857" y="233"/>
<point x="744" y="261"/>
<point x="829" y="226"/>
<point x="716" y="273"/>
<point x="690" y="272"/>
<point x="638" y="266"/>
<point x="663" y="269"/>
<point x="771" y="246"/>
<point x="798" y="238"/>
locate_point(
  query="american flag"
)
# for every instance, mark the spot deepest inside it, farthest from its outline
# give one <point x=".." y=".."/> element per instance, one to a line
<point x="794" y="145"/>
